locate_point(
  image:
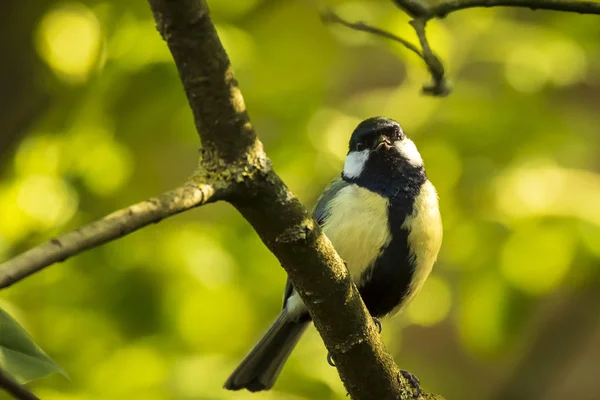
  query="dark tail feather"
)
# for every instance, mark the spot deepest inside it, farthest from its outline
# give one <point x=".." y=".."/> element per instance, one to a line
<point x="261" y="367"/>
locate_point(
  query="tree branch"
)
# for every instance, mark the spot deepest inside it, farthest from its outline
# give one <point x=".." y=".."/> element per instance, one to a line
<point x="205" y="71"/>
<point x="440" y="86"/>
<point x="235" y="168"/>
<point x="446" y="7"/>
<point x="281" y="221"/>
<point x="414" y="8"/>
<point x="111" y="227"/>
<point x="12" y="387"/>
<point x="331" y="17"/>
<point x="422" y="13"/>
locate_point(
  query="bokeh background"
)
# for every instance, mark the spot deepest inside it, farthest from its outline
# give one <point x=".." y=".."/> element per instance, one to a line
<point x="94" y="118"/>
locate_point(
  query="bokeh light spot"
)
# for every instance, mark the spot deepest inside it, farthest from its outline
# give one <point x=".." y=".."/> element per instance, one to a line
<point x="104" y="164"/>
<point x="38" y="154"/>
<point x="15" y="223"/>
<point x="69" y="39"/>
<point x="200" y="254"/>
<point x="48" y="200"/>
<point x="527" y="68"/>
<point x="330" y="130"/>
<point x="569" y="62"/>
<point x="541" y="188"/>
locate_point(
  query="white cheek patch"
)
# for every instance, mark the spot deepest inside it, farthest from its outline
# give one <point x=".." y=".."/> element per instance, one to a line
<point x="355" y="163"/>
<point x="409" y="151"/>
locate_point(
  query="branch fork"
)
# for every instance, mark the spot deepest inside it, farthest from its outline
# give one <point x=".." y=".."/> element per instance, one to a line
<point x="422" y="13"/>
<point x="234" y="168"/>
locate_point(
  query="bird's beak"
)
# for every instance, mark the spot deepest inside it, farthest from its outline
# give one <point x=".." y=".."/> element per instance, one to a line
<point x="382" y="142"/>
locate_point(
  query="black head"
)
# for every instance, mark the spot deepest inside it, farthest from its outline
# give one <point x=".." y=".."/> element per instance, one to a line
<point x="372" y="131"/>
<point x="381" y="157"/>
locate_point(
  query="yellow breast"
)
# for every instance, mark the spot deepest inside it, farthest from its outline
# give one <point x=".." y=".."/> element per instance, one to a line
<point x="425" y="237"/>
<point x="357" y="226"/>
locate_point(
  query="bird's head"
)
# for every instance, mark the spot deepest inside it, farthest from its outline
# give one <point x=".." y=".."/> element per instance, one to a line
<point x="380" y="149"/>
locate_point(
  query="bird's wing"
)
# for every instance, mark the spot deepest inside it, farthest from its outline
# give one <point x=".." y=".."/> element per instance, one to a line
<point x="320" y="213"/>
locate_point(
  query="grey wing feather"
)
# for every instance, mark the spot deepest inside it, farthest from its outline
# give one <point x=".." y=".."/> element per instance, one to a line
<point x="320" y="213"/>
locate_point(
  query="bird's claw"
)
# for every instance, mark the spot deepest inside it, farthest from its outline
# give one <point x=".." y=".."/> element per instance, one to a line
<point x="377" y="324"/>
<point x="414" y="381"/>
<point x="330" y="360"/>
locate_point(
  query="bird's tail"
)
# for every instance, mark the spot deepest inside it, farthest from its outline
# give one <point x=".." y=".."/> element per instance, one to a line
<point x="261" y="367"/>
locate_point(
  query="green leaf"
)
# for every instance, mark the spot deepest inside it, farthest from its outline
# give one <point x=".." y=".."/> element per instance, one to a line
<point x="20" y="356"/>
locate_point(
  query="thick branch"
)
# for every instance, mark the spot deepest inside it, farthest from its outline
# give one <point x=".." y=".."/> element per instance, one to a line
<point x="205" y="71"/>
<point x="414" y="8"/>
<point x="12" y="387"/>
<point x="581" y="7"/>
<point x="235" y="168"/>
<point x="113" y="226"/>
<point x="284" y="225"/>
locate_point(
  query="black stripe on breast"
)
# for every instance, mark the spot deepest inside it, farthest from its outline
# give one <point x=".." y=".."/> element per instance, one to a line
<point x="385" y="285"/>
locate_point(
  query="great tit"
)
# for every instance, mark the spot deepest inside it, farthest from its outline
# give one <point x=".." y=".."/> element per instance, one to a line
<point x="382" y="216"/>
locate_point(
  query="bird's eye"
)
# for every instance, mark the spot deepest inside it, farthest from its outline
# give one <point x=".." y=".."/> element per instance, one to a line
<point x="360" y="146"/>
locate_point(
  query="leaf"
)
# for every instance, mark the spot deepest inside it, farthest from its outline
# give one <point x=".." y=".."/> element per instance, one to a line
<point x="20" y="356"/>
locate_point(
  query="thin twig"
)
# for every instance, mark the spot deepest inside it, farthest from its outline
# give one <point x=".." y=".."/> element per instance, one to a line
<point x="113" y="226"/>
<point x="329" y="16"/>
<point x="580" y="7"/>
<point x="423" y="13"/>
<point x="12" y="387"/>
<point x="440" y="86"/>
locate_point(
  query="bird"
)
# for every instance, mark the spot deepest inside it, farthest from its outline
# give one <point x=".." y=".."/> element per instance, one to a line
<point x="382" y="216"/>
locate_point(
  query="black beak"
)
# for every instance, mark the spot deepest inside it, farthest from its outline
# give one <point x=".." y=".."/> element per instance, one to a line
<point x="383" y="141"/>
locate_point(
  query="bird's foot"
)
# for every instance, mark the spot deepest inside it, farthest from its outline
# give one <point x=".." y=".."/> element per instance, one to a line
<point x="414" y="381"/>
<point x="330" y="360"/>
<point x="377" y="324"/>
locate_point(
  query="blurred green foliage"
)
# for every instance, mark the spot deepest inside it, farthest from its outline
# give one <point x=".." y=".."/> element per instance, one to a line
<point x="167" y="312"/>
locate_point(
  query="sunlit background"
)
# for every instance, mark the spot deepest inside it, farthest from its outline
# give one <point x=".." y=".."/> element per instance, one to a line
<point x="94" y="118"/>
